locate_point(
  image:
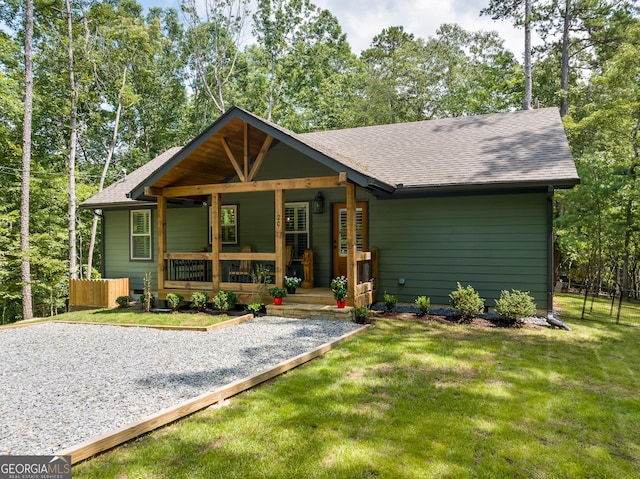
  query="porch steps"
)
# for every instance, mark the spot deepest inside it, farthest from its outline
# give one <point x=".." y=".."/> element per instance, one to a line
<point x="311" y="311"/>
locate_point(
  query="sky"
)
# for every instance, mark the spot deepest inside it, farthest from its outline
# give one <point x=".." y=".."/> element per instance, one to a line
<point x="361" y="20"/>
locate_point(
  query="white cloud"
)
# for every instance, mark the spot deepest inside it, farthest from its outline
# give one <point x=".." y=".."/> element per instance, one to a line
<point x="361" y="20"/>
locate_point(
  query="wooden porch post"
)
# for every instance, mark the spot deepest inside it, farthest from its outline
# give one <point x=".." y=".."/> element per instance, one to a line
<point x="279" y="227"/>
<point x="162" y="239"/>
<point x="352" y="272"/>
<point x="216" y="244"/>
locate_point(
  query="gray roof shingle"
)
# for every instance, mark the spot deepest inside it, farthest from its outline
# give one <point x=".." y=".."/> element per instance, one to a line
<point x="517" y="148"/>
<point x="116" y="193"/>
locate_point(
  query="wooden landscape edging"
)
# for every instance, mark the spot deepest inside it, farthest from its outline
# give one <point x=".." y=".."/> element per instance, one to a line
<point x="125" y="433"/>
<point x="168" y="327"/>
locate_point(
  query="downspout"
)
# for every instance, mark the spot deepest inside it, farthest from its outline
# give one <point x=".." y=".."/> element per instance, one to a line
<point x="551" y="319"/>
<point x="102" y="232"/>
<point x="550" y="275"/>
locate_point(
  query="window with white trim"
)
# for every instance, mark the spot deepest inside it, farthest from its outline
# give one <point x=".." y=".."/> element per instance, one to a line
<point x="296" y="227"/>
<point x="141" y="234"/>
<point x="342" y="231"/>
<point x="228" y="224"/>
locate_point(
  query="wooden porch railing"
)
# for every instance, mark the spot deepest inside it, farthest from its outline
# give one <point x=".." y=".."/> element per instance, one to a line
<point x="195" y="271"/>
<point x="366" y="289"/>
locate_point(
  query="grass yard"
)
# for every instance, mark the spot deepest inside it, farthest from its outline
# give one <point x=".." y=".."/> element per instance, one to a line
<point x="135" y="316"/>
<point x="418" y="399"/>
<point x="600" y="309"/>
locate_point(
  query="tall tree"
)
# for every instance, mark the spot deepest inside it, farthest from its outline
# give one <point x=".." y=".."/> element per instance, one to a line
<point x="25" y="267"/>
<point x="520" y="11"/>
<point x="395" y="77"/>
<point x="73" y="141"/>
<point x="213" y="45"/>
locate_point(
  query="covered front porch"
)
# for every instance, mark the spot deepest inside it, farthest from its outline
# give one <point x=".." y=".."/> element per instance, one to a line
<point x="185" y="272"/>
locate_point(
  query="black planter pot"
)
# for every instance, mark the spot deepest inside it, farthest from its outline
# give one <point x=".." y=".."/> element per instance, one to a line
<point x="291" y="290"/>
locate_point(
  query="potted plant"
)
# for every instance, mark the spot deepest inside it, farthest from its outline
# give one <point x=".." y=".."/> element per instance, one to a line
<point x="339" y="288"/>
<point x="277" y="294"/>
<point x="292" y="282"/>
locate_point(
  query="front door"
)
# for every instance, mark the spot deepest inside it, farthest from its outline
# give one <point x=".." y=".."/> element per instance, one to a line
<point x="340" y="235"/>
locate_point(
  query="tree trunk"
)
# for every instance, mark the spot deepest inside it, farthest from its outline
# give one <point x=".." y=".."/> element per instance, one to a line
<point x="564" y="72"/>
<point x="526" y="101"/>
<point x="73" y="141"/>
<point x="105" y="169"/>
<point x="25" y="264"/>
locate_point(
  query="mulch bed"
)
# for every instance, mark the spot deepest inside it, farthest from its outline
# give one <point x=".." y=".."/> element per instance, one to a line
<point x="448" y="320"/>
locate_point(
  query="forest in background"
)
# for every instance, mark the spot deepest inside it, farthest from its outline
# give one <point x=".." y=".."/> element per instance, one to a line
<point x="114" y="86"/>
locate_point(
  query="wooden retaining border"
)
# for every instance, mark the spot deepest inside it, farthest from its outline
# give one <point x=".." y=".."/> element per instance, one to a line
<point x="98" y="444"/>
<point x="205" y="329"/>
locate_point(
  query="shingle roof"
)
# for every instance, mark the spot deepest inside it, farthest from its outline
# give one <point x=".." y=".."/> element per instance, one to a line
<point x="116" y="193"/>
<point x="517" y="147"/>
<point x="507" y="149"/>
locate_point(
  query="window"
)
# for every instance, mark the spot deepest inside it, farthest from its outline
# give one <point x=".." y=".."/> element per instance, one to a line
<point x="296" y="227"/>
<point x="228" y="224"/>
<point x="141" y="234"/>
<point x="342" y="230"/>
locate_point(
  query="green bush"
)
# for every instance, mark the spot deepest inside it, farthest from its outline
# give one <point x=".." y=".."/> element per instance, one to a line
<point x="255" y="308"/>
<point x="514" y="305"/>
<point x="423" y="304"/>
<point x="123" y="301"/>
<point x="390" y="301"/>
<point x="361" y="314"/>
<point x="467" y="301"/>
<point x="225" y="300"/>
<point x="199" y="300"/>
<point x="174" y="300"/>
<point x="148" y="301"/>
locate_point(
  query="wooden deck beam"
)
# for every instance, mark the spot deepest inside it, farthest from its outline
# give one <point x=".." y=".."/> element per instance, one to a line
<point x="254" y="186"/>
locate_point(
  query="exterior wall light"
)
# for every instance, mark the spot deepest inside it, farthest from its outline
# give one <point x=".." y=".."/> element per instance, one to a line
<point x="318" y="204"/>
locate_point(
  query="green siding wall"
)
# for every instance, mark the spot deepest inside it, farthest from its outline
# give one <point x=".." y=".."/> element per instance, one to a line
<point x="186" y="231"/>
<point x="490" y="242"/>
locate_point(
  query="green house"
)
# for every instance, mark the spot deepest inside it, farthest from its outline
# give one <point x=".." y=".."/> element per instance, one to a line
<point x="410" y="208"/>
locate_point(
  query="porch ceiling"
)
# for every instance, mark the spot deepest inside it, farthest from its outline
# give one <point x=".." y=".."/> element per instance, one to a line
<point x="208" y="162"/>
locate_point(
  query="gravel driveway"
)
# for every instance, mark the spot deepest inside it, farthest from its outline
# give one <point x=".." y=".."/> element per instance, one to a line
<point x="61" y="384"/>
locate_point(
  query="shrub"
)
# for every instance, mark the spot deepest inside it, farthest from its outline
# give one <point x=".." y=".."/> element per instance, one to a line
<point x="423" y="304"/>
<point x="148" y="301"/>
<point x="174" y="300"/>
<point x="361" y="314"/>
<point x="467" y="301"/>
<point x="390" y="301"/>
<point x="255" y="308"/>
<point x="514" y="305"/>
<point x="199" y="300"/>
<point x="225" y="300"/>
<point x="123" y="301"/>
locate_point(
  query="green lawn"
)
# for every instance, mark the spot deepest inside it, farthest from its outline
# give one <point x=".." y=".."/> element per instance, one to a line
<point x="600" y="309"/>
<point x="414" y="400"/>
<point x="131" y="316"/>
